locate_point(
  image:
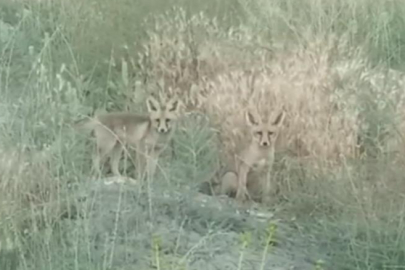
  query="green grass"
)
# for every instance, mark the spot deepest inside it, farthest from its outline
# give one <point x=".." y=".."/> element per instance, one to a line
<point x="62" y="60"/>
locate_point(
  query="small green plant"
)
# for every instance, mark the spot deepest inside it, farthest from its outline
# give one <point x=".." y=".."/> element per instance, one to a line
<point x="319" y="265"/>
<point x="269" y="240"/>
<point x="156" y="244"/>
<point x="245" y="240"/>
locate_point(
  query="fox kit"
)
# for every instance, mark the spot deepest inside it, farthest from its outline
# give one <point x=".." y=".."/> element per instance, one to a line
<point x="258" y="153"/>
<point x="148" y="134"/>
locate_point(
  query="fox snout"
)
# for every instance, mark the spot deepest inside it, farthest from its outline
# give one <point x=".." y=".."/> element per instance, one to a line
<point x="265" y="143"/>
<point x="163" y="130"/>
<point x="263" y="138"/>
<point x="163" y="126"/>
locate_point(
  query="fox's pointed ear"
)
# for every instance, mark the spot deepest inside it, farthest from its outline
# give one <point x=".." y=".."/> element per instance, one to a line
<point x="173" y="105"/>
<point x="280" y="119"/>
<point x="152" y="104"/>
<point x="251" y="119"/>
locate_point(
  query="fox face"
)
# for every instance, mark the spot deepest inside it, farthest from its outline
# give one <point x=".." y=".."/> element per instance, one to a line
<point x="264" y="134"/>
<point x="162" y="115"/>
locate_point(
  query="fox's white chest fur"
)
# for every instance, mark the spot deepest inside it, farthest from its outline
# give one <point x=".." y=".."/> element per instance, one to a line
<point x="256" y="157"/>
<point x="156" y="140"/>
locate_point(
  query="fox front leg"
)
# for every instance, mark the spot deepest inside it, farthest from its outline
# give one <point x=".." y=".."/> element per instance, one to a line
<point x="242" y="193"/>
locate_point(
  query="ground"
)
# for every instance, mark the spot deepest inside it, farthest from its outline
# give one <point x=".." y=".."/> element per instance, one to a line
<point x="193" y="228"/>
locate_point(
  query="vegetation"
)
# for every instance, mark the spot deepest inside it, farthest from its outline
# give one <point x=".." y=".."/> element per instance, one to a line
<point x="337" y="67"/>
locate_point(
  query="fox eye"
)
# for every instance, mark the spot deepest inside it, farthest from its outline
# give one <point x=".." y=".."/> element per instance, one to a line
<point x="167" y="121"/>
<point x="271" y="133"/>
<point x="259" y="133"/>
<point x="157" y="121"/>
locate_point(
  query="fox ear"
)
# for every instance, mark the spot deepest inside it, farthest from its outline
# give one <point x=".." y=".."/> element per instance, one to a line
<point x="251" y="119"/>
<point x="152" y="104"/>
<point x="173" y="105"/>
<point x="280" y="119"/>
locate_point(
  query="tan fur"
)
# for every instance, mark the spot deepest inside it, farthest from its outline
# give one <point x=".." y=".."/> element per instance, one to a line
<point x="258" y="153"/>
<point x="148" y="134"/>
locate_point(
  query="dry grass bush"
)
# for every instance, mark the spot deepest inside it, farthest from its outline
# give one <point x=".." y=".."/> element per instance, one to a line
<point x="321" y="123"/>
<point x="321" y="84"/>
<point x="28" y="191"/>
<point x="182" y="52"/>
<point x="382" y="108"/>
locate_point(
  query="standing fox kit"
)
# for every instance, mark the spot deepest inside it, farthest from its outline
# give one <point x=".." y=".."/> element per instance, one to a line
<point x="148" y="134"/>
<point x="259" y="151"/>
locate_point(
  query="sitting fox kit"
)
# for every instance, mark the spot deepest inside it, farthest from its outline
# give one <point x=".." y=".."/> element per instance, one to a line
<point x="259" y="151"/>
<point x="149" y="134"/>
